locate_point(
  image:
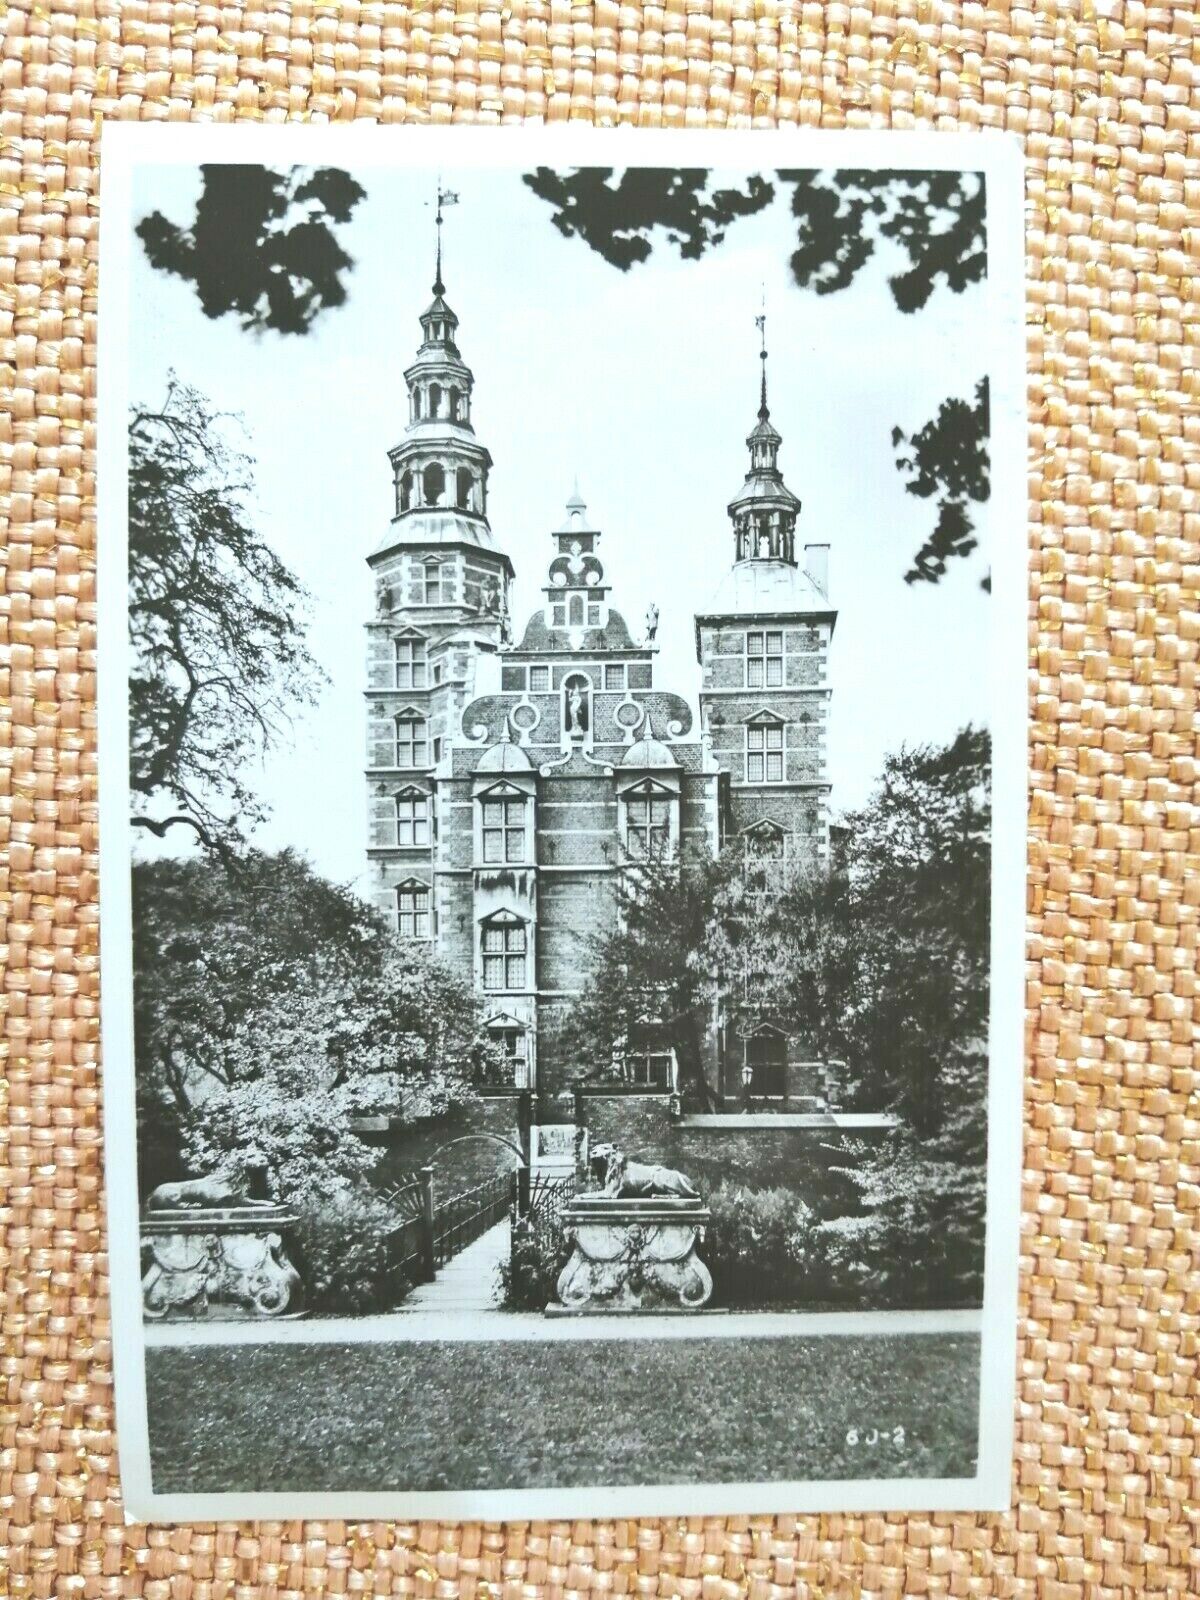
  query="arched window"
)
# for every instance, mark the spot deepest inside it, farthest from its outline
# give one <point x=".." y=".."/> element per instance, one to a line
<point x="464" y="483"/>
<point x="455" y="410"/>
<point x="412" y="741"/>
<point x="436" y="396"/>
<point x="412" y="910"/>
<point x="404" y="491"/>
<point x="505" y="948"/>
<point x="433" y="481"/>
<point x="412" y="819"/>
<point x="416" y="405"/>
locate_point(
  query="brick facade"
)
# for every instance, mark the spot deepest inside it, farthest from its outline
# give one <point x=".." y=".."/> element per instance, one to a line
<point x="511" y="780"/>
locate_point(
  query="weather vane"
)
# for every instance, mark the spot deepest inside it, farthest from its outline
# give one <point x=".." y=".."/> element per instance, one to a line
<point x="445" y="197"/>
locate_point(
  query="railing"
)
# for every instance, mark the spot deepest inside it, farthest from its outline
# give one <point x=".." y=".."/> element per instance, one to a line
<point x="431" y="1231"/>
<point x="460" y="1221"/>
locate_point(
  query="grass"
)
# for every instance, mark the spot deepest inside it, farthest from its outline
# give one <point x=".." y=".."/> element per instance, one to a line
<point x="497" y="1415"/>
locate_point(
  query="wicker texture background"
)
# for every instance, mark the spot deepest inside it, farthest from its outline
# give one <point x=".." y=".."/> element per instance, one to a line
<point x="1105" y="95"/>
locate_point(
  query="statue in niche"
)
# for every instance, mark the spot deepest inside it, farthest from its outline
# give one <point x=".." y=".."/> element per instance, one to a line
<point x="577" y="707"/>
<point x="764" y="542"/>
<point x="383" y="600"/>
<point x="651" y="622"/>
<point x="491" y="596"/>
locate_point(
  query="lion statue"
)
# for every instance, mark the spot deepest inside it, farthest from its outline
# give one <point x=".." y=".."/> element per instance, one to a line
<point x="626" y="1179"/>
<point x="201" y="1194"/>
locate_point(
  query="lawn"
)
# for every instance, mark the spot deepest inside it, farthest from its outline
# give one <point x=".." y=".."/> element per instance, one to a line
<point x="501" y="1415"/>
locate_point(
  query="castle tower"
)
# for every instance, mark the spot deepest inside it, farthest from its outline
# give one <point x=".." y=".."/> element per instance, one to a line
<point x="441" y="606"/>
<point x="763" y="644"/>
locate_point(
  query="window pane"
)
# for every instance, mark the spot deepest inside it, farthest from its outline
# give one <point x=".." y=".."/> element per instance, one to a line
<point x="493" y="972"/>
<point x="539" y="678"/>
<point x="420" y="832"/>
<point x="754" y="673"/>
<point x="515" y="936"/>
<point x="614" y="677"/>
<point x="515" y="812"/>
<point x="774" y="644"/>
<point x="493" y="813"/>
<point x="493" y="848"/>
<point x="754" y="769"/>
<point x="754" y="739"/>
<point x="418" y="675"/>
<point x="774" y="769"/>
<point x="754" y="642"/>
<point x="775" y="737"/>
<point x="774" y="672"/>
<point x="516" y="972"/>
<point x="515" y="849"/>
<point x="493" y="938"/>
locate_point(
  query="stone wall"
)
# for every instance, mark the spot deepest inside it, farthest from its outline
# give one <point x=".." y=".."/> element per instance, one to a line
<point x="761" y="1151"/>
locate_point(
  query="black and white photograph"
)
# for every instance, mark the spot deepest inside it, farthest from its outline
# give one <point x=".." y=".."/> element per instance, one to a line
<point x="563" y="808"/>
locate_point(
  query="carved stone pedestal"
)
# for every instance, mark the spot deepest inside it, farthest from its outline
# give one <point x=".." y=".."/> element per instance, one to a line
<point x="634" y="1255"/>
<point x="218" y="1263"/>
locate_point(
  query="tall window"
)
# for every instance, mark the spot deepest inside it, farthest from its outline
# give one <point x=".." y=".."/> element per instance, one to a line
<point x="764" y="660"/>
<point x="439" y="583"/>
<point x="410" y="663"/>
<point x="648" y="1060"/>
<point x="504" y="949"/>
<point x="503" y="830"/>
<point x="412" y="742"/>
<point x="512" y="1046"/>
<point x="648" y="823"/>
<point x="412" y="911"/>
<point x="766" y="1056"/>
<point x="764" y="752"/>
<point x="412" y="819"/>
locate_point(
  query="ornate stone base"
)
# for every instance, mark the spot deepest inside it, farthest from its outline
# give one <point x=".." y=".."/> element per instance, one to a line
<point x="634" y="1255"/>
<point x="218" y="1263"/>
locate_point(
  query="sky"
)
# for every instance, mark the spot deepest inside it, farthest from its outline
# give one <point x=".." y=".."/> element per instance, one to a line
<point x="642" y="385"/>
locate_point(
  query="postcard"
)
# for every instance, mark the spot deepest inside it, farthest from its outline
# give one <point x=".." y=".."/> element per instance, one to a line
<point x="562" y="736"/>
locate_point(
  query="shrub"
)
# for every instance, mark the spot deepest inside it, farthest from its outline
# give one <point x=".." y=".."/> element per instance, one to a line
<point x="529" y="1274"/>
<point x="760" y="1246"/>
<point x="342" y="1255"/>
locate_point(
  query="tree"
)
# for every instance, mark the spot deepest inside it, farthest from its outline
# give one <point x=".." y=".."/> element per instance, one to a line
<point x="938" y="219"/>
<point x="645" y="976"/>
<point x="216" y="621"/>
<point x="262" y="244"/>
<point x="270" y="1005"/>
<point x="948" y="459"/>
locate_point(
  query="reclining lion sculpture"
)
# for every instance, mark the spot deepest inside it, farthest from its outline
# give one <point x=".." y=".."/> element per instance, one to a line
<point x="627" y="1179"/>
<point x="201" y="1194"/>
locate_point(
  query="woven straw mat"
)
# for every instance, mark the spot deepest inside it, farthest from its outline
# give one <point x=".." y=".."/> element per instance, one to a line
<point x="1105" y="97"/>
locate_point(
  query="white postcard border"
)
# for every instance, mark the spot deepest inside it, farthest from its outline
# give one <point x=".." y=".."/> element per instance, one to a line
<point x="126" y="146"/>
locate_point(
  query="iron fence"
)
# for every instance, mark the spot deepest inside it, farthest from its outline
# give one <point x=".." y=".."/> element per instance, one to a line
<point x="461" y="1220"/>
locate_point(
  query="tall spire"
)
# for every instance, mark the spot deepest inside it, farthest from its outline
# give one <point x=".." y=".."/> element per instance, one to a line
<point x="445" y="197"/>
<point x="760" y="322"/>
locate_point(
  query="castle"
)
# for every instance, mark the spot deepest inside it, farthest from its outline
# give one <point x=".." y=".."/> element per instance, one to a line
<point x="510" y="779"/>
